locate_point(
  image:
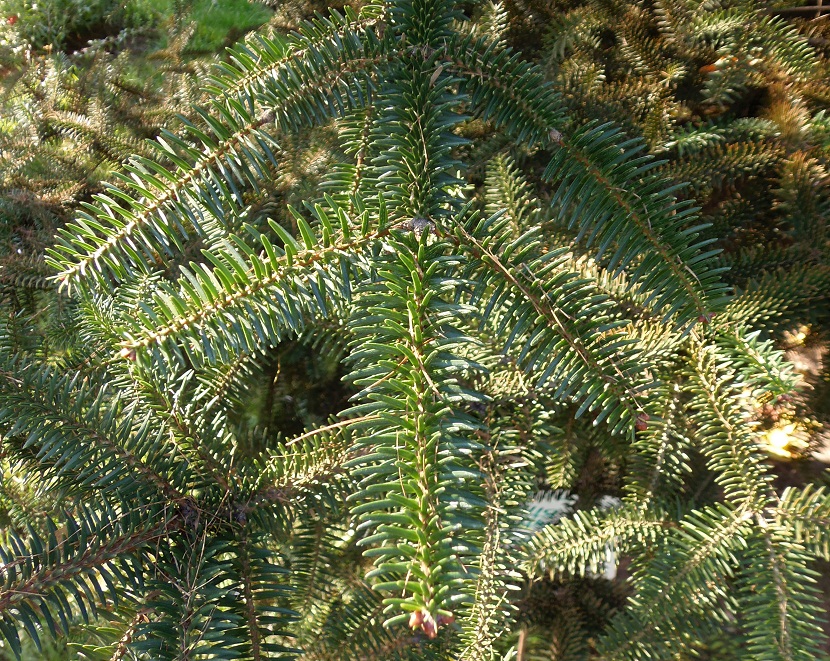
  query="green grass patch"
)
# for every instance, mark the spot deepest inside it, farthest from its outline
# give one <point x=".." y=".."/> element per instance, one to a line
<point x="220" y="23"/>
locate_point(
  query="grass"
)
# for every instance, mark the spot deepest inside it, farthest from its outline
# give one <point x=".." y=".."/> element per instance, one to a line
<point x="220" y="23"/>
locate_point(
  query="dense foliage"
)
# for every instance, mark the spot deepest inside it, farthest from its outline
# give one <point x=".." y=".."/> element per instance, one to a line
<point x="374" y="338"/>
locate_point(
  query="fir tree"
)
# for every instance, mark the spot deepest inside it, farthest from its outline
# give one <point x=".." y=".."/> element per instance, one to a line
<point x="501" y="335"/>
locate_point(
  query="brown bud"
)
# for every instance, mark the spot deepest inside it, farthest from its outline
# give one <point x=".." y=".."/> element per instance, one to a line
<point x="267" y="117"/>
<point x="128" y="353"/>
<point x="642" y="422"/>
<point x="415" y="619"/>
<point x="445" y="619"/>
<point x="555" y="136"/>
<point x="430" y="626"/>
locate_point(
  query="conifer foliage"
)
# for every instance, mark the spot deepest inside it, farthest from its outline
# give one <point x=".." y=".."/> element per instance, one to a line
<point x="498" y="336"/>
